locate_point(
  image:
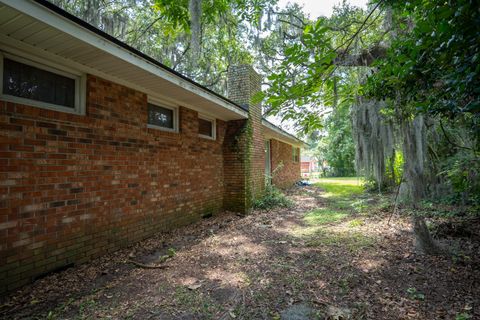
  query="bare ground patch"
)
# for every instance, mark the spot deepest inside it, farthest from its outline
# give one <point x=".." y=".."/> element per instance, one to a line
<point x="258" y="266"/>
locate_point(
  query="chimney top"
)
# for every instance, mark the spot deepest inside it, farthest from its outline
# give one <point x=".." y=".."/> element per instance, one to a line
<point x="243" y="83"/>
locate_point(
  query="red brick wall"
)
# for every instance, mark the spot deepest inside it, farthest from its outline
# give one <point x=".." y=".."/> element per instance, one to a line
<point x="286" y="171"/>
<point x="74" y="187"/>
<point x="234" y="166"/>
<point x="243" y="84"/>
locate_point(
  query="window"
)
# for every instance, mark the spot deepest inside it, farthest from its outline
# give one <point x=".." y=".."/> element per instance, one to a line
<point x="296" y="153"/>
<point x="163" y="118"/>
<point x="31" y="83"/>
<point x="206" y="127"/>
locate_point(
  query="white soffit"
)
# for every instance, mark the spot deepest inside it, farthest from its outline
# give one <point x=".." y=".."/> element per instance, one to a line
<point x="28" y="28"/>
<point x="271" y="131"/>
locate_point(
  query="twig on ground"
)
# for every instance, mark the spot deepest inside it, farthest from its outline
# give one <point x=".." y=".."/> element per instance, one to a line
<point x="147" y="266"/>
<point x="395" y="202"/>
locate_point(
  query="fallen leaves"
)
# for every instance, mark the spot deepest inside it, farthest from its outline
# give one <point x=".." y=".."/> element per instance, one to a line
<point x="231" y="267"/>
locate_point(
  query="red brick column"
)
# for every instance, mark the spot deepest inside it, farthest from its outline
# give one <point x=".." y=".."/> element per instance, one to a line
<point x="244" y="154"/>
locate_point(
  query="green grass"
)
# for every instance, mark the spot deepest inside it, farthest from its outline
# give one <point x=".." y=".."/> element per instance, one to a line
<point x="341" y="187"/>
<point x="356" y="223"/>
<point x="324" y="216"/>
<point x="340" y="193"/>
<point x="352" y="241"/>
<point x="342" y="197"/>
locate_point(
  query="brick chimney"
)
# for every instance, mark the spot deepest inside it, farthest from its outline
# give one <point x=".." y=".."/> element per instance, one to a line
<point x="244" y="154"/>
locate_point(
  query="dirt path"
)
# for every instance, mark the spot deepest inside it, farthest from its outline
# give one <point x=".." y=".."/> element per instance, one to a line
<point x="269" y="265"/>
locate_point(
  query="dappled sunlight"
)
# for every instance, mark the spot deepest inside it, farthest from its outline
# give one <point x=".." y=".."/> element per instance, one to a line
<point x="348" y="239"/>
<point x="324" y="216"/>
<point x="320" y="252"/>
<point x="238" y="245"/>
<point x="187" y="281"/>
<point x="369" y="264"/>
<point x="224" y="277"/>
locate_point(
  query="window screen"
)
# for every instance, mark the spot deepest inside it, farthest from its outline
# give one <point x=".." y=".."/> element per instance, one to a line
<point x="160" y="117"/>
<point x="205" y="127"/>
<point x="25" y="81"/>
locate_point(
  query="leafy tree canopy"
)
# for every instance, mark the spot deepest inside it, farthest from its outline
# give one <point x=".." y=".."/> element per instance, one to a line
<point x="432" y="64"/>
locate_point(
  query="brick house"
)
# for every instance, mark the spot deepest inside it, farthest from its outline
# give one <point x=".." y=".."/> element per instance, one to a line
<point x="308" y="165"/>
<point x="101" y="146"/>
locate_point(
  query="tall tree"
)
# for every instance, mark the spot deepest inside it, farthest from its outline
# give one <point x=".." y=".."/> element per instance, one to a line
<point x="417" y="92"/>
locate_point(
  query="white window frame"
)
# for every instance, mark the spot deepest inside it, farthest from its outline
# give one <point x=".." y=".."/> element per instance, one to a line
<point x="78" y="77"/>
<point x="214" y="127"/>
<point x="162" y="105"/>
<point x="295" y="154"/>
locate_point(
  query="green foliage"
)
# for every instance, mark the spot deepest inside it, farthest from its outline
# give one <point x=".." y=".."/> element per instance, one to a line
<point x="415" y="295"/>
<point x="432" y="63"/>
<point x="338" y="149"/>
<point x="394" y="169"/>
<point x="356" y="223"/>
<point x="272" y="198"/>
<point x="463" y="316"/>
<point x="171" y="252"/>
<point x="431" y="69"/>
<point x="308" y="81"/>
<point x="360" y="205"/>
<point x="463" y="172"/>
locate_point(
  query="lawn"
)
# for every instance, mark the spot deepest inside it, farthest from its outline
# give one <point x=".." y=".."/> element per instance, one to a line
<point x="340" y="195"/>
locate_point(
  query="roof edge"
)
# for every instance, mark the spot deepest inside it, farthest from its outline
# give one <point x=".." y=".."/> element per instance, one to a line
<point x="279" y="130"/>
<point x="65" y="14"/>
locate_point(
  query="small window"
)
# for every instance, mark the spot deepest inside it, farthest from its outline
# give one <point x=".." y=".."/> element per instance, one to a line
<point x="31" y="83"/>
<point x="206" y="127"/>
<point x="162" y="117"/>
<point x="295" y="152"/>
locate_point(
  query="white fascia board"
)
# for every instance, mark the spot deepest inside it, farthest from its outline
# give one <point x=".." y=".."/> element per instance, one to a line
<point x="62" y="24"/>
<point x="281" y="135"/>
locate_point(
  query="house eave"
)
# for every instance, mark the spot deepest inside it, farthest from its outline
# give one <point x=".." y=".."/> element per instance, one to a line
<point x="273" y="132"/>
<point x="95" y="52"/>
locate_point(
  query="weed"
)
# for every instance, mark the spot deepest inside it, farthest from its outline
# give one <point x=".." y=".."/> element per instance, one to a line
<point x="463" y="316"/>
<point x="196" y="301"/>
<point x="272" y="198"/>
<point x="356" y="223"/>
<point x="171" y="252"/>
<point x="344" y="286"/>
<point x="360" y="205"/>
<point x="414" y="294"/>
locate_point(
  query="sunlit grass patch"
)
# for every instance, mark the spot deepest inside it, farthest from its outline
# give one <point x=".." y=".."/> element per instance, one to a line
<point x="355" y="223"/>
<point x="324" y="216"/>
<point x="344" y="198"/>
<point x="351" y="240"/>
<point x="340" y="187"/>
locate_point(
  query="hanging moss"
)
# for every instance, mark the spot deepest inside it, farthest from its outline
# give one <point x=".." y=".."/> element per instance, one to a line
<point x="374" y="141"/>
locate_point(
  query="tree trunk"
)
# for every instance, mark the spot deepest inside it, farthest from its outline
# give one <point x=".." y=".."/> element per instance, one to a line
<point x="423" y="239"/>
<point x="414" y="188"/>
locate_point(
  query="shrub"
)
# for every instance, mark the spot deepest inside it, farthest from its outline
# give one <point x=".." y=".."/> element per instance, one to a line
<point x="272" y="198"/>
